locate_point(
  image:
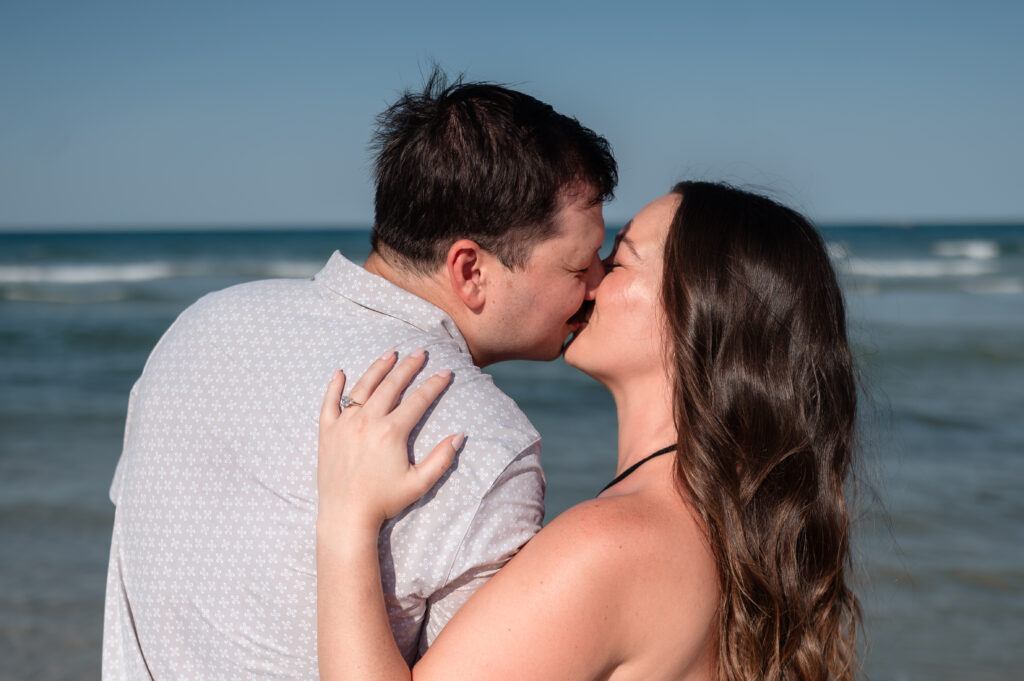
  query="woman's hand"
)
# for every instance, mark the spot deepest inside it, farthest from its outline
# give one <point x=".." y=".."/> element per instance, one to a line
<point x="364" y="475"/>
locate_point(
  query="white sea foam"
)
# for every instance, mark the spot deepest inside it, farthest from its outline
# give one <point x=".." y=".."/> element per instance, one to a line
<point x="150" y="271"/>
<point x="838" y="250"/>
<point x="975" y="249"/>
<point x="908" y="268"/>
<point x="1007" y="286"/>
<point x="84" y="274"/>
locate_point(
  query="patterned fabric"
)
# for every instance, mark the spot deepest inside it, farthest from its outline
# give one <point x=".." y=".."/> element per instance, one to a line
<point x="212" y="561"/>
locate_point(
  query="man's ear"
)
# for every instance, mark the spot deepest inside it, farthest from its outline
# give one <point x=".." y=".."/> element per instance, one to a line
<point x="466" y="267"/>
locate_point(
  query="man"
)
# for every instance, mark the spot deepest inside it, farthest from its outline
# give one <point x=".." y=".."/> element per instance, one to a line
<point x="487" y="226"/>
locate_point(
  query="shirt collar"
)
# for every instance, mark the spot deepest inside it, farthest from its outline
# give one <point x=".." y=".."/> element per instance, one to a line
<point x="352" y="282"/>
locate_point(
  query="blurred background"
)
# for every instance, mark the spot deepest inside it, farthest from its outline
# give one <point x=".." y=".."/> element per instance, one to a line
<point x="152" y="153"/>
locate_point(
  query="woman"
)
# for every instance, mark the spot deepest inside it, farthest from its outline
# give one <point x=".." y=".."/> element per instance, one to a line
<point x="720" y="331"/>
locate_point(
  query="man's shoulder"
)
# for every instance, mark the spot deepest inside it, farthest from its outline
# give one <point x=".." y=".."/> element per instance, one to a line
<point x="497" y="431"/>
<point x="493" y="406"/>
<point x="262" y="292"/>
<point x="246" y="305"/>
<point x="474" y="400"/>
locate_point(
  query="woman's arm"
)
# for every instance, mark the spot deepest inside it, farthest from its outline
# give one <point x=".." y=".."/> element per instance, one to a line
<point x="360" y="488"/>
<point x="355" y="640"/>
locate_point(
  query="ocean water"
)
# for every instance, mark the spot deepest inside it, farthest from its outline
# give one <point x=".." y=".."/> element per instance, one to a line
<point x="937" y="320"/>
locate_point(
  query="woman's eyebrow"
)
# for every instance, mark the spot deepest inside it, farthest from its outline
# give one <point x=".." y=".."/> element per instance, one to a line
<point x="629" y="244"/>
<point x="623" y="238"/>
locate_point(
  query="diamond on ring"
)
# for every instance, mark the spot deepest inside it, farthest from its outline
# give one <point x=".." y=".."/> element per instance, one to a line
<point x="347" y="401"/>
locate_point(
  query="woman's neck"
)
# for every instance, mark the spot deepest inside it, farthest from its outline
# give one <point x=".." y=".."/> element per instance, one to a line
<point x="646" y="423"/>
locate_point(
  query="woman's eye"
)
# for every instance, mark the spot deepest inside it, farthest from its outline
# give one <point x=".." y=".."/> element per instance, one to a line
<point x="609" y="266"/>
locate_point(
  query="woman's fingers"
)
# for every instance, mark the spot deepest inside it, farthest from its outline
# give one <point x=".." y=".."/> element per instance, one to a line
<point x="364" y="470"/>
<point x="378" y="390"/>
<point x="330" y="410"/>
<point x="375" y="373"/>
<point x="425" y="474"/>
<point x="415" y="405"/>
<point x="389" y="390"/>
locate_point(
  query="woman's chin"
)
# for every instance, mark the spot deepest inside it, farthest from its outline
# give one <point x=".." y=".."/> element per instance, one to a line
<point x="569" y="353"/>
<point x="575" y="352"/>
<point x="582" y="354"/>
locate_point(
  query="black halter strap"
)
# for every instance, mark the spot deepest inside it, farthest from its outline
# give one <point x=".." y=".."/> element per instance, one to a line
<point x="624" y="474"/>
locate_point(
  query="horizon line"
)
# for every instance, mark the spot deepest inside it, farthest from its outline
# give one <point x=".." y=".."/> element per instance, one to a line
<point x="315" y="226"/>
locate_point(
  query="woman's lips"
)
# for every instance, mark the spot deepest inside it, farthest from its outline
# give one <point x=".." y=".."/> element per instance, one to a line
<point x="579" y="320"/>
<point x="582" y="315"/>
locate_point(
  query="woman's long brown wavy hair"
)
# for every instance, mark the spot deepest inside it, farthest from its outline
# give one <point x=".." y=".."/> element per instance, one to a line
<point x="765" y="403"/>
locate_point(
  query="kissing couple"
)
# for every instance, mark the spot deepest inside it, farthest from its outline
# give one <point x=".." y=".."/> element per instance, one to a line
<point x="392" y="529"/>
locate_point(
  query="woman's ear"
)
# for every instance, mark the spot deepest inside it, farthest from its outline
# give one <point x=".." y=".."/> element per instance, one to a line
<point x="465" y="264"/>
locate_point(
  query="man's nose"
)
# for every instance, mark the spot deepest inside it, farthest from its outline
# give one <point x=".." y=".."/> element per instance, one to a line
<point x="595" y="273"/>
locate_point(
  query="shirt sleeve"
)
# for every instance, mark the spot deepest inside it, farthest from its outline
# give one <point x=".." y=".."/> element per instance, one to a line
<point x="117" y="482"/>
<point x="508" y="516"/>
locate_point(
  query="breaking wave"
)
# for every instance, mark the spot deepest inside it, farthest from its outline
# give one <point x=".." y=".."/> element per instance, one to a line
<point x="915" y="268"/>
<point x="975" y="249"/>
<point x="151" y="271"/>
<point x="85" y="274"/>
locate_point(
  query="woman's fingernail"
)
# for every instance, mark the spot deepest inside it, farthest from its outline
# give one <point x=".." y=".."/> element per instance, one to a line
<point x="388" y="355"/>
<point x="417" y="353"/>
<point x="457" y="441"/>
<point x="444" y="374"/>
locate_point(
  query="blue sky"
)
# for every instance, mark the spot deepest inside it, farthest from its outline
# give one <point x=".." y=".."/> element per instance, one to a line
<point x="190" y="113"/>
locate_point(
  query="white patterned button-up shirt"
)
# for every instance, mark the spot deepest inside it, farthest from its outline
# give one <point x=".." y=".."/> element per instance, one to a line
<point x="212" y="562"/>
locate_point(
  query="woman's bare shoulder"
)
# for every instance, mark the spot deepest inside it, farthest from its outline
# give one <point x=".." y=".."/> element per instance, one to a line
<point x="659" y="530"/>
<point x="571" y="571"/>
<point x="609" y="587"/>
<point x="648" y="560"/>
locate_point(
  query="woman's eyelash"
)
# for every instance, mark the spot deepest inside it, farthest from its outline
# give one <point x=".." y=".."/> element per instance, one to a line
<point x="609" y="266"/>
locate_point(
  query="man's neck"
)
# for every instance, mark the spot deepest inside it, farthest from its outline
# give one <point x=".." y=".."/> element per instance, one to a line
<point x="375" y="264"/>
<point x="420" y="285"/>
<point x="430" y="288"/>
